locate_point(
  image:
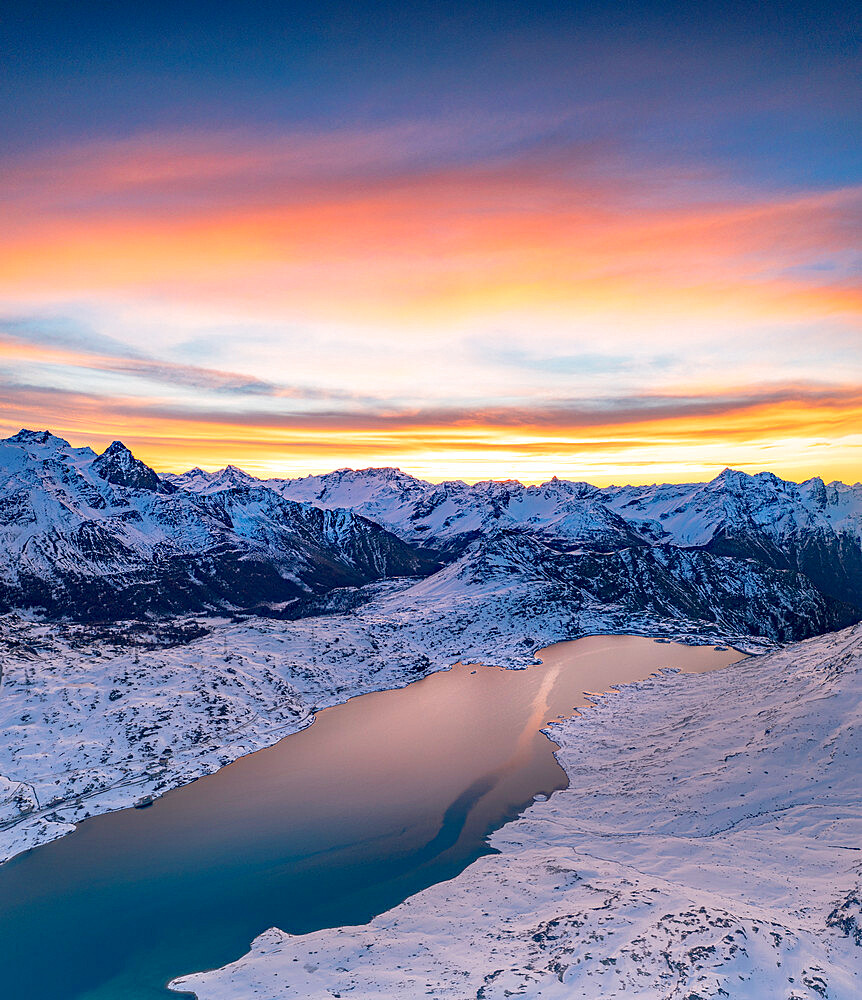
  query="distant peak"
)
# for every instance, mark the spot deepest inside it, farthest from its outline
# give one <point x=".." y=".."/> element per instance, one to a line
<point x="26" y="436"/>
<point x="732" y="477"/>
<point x="232" y="475"/>
<point x="386" y="472"/>
<point x="741" y="480"/>
<point x="117" y="465"/>
<point x="117" y="448"/>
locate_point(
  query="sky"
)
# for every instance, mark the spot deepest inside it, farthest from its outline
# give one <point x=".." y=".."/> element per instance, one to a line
<point x="617" y="242"/>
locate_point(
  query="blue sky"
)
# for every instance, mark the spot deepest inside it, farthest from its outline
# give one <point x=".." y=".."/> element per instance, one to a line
<point x="230" y="228"/>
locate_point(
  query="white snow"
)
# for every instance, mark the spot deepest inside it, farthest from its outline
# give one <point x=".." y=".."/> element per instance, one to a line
<point x="90" y="723"/>
<point x="708" y="845"/>
<point x="688" y="514"/>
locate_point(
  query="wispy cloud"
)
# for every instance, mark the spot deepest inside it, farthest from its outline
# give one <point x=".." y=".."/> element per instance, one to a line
<point x="78" y="347"/>
<point x="345" y="223"/>
<point x="521" y="295"/>
<point x="799" y="431"/>
<point x="559" y="416"/>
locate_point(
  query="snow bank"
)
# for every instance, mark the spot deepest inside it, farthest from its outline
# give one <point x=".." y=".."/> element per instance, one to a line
<point x="708" y="845"/>
<point x="91" y="720"/>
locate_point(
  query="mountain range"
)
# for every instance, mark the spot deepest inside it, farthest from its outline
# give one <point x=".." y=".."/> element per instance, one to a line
<point x="104" y="536"/>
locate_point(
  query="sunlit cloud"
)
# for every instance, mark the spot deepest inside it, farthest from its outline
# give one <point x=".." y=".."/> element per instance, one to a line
<point x="30" y="352"/>
<point x="517" y="305"/>
<point x="800" y="431"/>
<point x="421" y="243"/>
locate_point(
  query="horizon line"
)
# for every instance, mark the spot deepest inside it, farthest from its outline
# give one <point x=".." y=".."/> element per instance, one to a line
<point x="201" y="467"/>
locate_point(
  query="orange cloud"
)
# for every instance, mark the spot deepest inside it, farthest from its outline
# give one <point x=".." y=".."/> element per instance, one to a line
<point x="398" y="243"/>
<point x="377" y="234"/>
<point x="797" y="431"/>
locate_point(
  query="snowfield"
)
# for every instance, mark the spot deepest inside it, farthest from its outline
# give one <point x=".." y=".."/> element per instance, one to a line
<point x="92" y="718"/>
<point x="708" y="846"/>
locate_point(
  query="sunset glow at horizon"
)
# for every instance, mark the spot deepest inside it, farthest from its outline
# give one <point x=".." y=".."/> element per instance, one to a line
<point x="617" y="246"/>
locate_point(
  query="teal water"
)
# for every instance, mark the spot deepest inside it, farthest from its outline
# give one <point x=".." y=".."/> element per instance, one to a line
<point x="383" y="796"/>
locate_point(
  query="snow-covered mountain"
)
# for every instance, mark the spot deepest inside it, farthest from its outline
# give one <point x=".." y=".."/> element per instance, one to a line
<point x="754" y="553"/>
<point x="811" y="527"/>
<point x="662" y="582"/>
<point x="102" y="536"/>
<point x="448" y="516"/>
<point x="784" y="522"/>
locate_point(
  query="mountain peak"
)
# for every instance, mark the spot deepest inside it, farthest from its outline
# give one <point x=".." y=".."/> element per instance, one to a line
<point x="732" y="480"/>
<point x="737" y="481"/>
<point x="734" y="475"/>
<point x="118" y="448"/>
<point x="26" y="436"/>
<point x="234" y="472"/>
<point x="119" y="466"/>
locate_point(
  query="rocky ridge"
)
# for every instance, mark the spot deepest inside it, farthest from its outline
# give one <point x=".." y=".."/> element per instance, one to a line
<point x="754" y="554"/>
<point x="103" y="537"/>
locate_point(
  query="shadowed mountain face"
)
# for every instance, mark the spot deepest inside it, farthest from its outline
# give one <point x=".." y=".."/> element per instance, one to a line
<point x="99" y="537"/>
<point x="751" y="553"/>
<point x="119" y="466"/>
<point x="662" y="582"/>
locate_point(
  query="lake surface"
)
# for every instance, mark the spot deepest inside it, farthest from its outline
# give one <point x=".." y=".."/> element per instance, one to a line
<point x="381" y="797"/>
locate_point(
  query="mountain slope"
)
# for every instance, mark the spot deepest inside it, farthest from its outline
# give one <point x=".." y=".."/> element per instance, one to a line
<point x="103" y="537"/>
<point x="106" y="537"/>
<point x="783" y="521"/>
<point x="661" y="582"/>
<point x="706" y="847"/>
<point x="810" y="527"/>
<point x="750" y="553"/>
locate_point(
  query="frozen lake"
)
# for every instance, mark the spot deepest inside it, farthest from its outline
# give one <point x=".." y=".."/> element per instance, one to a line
<point x="381" y="797"/>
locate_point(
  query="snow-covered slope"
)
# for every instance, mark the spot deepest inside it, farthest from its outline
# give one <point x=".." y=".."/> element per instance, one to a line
<point x="752" y="552"/>
<point x="449" y="515"/>
<point x="733" y="505"/>
<point x="708" y="846"/>
<point x="94" y="717"/>
<point x="104" y="537"/>
<point x="663" y="582"/>
<point x="810" y="527"/>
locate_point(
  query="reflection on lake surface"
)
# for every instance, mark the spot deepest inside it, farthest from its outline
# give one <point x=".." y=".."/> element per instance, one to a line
<point x="381" y="797"/>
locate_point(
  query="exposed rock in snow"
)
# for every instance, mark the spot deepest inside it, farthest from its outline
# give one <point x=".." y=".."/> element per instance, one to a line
<point x="102" y="537"/>
<point x="708" y="846"/>
<point x="119" y="466"/>
<point x="803" y="542"/>
<point x="690" y="515"/>
<point x="811" y="528"/>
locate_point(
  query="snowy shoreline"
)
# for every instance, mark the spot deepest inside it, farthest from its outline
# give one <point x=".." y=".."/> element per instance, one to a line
<point x="671" y="866"/>
<point x="89" y="727"/>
